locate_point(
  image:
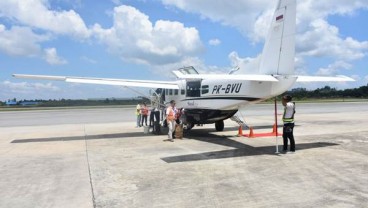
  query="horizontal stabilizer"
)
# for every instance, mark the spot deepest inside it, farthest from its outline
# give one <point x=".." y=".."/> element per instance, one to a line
<point x="339" y="78"/>
<point x="104" y="81"/>
<point x="249" y="77"/>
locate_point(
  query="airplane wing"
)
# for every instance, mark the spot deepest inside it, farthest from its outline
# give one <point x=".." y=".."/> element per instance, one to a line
<point x="250" y="77"/>
<point x="339" y="78"/>
<point x="104" y="81"/>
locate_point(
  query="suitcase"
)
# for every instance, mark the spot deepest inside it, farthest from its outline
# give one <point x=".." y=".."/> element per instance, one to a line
<point x="179" y="131"/>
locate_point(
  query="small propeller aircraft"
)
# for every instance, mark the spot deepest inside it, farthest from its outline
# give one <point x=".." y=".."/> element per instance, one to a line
<point x="212" y="98"/>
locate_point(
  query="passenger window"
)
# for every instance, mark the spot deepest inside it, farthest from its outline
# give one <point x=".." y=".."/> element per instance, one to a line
<point x="170" y="91"/>
<point x="176" y="92"/>
<point x="166" y="91"/>
<point x="183" y="91"/>
<point x="205" y="89"/>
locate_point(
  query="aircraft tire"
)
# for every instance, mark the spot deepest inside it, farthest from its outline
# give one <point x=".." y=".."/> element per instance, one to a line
<point x="219" y="125"/>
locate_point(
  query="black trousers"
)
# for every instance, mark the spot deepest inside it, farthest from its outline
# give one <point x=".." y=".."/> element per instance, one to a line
<point x="288" y="134"/>
<point x="154" y="116"/>
<point x="152" y="119"/>
<point x="144" y="119"/>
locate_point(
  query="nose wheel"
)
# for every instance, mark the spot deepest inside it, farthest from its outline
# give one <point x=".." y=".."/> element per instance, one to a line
<point x="219" y="125"/>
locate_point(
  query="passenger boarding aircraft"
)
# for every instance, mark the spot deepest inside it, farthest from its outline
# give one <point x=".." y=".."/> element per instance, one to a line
<point x="212" y="98"/>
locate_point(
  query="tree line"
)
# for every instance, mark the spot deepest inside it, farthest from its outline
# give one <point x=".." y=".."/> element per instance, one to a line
<point x="328" y="92"/>
<point x="74" y="102"/>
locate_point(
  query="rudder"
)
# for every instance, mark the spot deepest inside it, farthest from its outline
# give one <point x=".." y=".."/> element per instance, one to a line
<point x="279" y="49"/>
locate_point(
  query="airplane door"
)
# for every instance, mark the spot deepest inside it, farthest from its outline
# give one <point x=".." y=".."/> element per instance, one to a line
<point x="193" y="89"/>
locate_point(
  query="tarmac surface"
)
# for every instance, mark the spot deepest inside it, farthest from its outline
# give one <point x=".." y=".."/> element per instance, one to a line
<point x="97" y="158"/>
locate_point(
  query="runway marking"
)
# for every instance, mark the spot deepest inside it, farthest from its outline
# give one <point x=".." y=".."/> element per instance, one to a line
<point x="89" y="168"/>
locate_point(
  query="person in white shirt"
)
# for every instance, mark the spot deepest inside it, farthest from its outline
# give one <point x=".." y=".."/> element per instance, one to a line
<point x="170" y="119"/>
<point x="288" y="119"/>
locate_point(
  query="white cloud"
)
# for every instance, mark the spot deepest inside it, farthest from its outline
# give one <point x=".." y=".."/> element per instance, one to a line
<point x="52" y="58"/>
<point x="39" y="24"/>
<point x="238" y="14"/>
<point x="323" y="40"/>
<point x="334" y="69"/>
<point x="20" y="41"/>
<point x="214" y="42"/>
<point x="316" y="37"/>
<point x="35" y="13"/>
<point x="27" y="88"/>
<point x="247" y="65"/>
<point x="134" y="38"/>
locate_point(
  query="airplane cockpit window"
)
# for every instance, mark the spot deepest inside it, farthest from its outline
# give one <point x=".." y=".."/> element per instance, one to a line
<point x="188" y="70"/>
<point x="205" y="89"/>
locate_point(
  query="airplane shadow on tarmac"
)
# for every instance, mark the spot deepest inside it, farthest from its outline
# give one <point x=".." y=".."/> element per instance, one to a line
<point x="240" y="150"/>
<point x="203" y="135"/>
<point x="106" y="136"/>
<point x="86" y="137"/>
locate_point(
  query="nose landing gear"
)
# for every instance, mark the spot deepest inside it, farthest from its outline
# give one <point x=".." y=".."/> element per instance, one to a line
<point x="219" y="125"/>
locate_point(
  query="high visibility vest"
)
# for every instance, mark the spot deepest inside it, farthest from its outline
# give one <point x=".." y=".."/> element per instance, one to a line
<point x="291" y="119"/>
<point x="138" y="110"/>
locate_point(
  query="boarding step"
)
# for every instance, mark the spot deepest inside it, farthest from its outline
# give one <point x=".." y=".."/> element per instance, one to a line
<point x="157" y="98"/>
<point x="155" y="101"/>
<point x="239" y="121"/>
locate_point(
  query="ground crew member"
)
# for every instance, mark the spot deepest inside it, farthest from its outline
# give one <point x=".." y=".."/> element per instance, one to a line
<point x="288" y="119"/>
<point x="144" y="113"/>
<point x="170" y="119"/>
<point x="138" y="114"/>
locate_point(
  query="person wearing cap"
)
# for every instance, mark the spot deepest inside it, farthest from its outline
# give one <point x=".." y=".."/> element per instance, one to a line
<point x="288" y="119"/>
<point x="170" y="119"/>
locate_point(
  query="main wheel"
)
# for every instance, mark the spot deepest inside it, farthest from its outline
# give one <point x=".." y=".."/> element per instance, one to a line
<point x="219" y="125"/>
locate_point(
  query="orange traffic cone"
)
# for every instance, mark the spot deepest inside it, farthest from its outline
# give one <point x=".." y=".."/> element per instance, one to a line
<point x="251" y="134"/>
<point x="274" y="128"/>
<point x="240" y="131"/>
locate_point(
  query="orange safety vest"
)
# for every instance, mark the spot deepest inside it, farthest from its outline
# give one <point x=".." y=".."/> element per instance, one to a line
<point x="170" y="115"/>
<point x="145" y="111"/>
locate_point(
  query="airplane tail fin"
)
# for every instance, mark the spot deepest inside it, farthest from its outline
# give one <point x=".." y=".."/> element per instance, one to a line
<point x="279" y="49"/>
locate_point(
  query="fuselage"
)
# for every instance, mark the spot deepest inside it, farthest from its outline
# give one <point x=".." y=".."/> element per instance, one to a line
<point x="207" y="101"/>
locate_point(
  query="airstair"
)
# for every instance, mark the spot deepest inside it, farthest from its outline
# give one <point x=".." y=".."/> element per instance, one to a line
<point x="239" y="121"/>
<point x="157" y="98"/>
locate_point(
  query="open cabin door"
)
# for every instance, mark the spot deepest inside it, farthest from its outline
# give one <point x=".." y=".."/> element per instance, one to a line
<point x="193" y="88"/>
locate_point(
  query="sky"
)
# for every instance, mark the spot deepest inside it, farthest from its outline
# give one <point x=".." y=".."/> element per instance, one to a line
<point x="147" y="39"/>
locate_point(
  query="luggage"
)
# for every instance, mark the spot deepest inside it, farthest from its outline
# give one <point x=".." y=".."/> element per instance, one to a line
<point x="179" y="131"/>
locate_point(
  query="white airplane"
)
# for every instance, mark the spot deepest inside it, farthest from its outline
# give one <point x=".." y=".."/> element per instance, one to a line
<point x="212" y="98"/>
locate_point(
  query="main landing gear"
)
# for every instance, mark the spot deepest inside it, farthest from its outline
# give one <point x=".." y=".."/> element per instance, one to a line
<point x="219" y="125"/>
